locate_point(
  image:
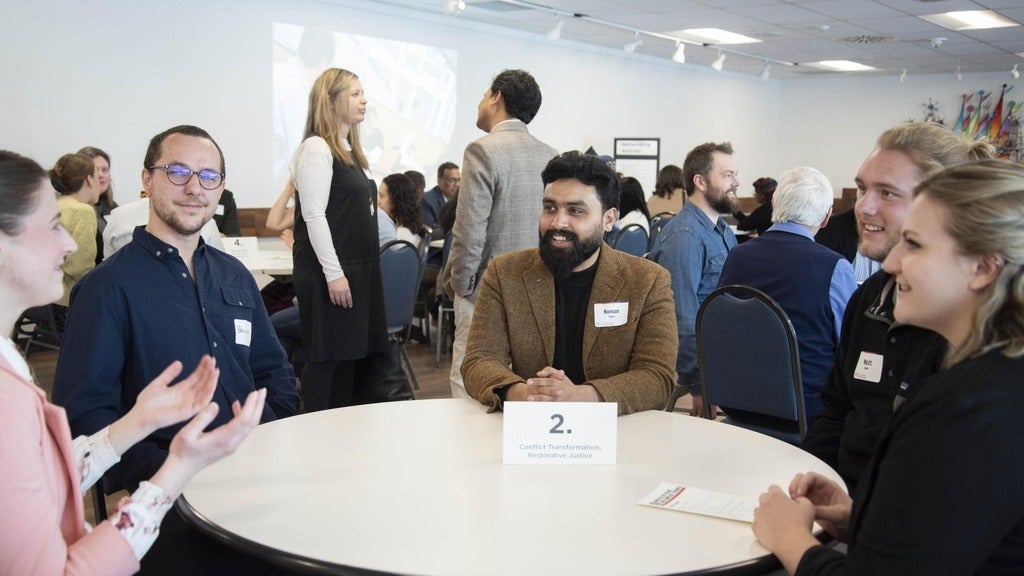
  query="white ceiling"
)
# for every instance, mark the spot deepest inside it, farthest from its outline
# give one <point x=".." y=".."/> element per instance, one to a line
<point x="886" y="34"/>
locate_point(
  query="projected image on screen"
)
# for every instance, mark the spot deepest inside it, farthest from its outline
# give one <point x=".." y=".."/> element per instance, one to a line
<point x="410" y="88"/>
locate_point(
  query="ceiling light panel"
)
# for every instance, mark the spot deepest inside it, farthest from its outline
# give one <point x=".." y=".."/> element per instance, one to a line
<point x="717" y="36"/>
<point x="842" y="65"/>
<point x="970" y="20"/>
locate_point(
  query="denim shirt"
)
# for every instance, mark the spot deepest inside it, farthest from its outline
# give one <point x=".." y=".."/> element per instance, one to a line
<point x="693" y="249"/>
<point x="140" y="310"/>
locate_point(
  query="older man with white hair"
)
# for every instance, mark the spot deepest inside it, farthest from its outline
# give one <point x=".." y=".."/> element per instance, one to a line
<point x="812" y="283"/>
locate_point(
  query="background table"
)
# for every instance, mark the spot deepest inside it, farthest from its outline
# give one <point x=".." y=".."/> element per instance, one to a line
<point x="419" y="488"/>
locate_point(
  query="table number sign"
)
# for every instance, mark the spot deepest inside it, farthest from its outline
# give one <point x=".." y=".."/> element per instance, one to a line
<point x="560" y="432"/>
<point x="242" y="247"/>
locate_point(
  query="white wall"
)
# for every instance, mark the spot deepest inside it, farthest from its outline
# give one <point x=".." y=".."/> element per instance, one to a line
<point x="832" y="123"/>
<point x="112" y="73"/>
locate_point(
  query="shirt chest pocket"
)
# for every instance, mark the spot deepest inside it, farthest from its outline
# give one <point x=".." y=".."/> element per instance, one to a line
<point x="713" y="267"/>
<point x="239" y="305"/>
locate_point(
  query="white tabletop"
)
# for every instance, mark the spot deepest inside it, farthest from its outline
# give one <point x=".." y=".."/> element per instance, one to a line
<point x="419" y="488"/>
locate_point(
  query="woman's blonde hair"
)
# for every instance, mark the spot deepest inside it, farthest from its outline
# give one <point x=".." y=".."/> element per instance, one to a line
<point x="322" y="121"/>
<point x="985" y="216"/>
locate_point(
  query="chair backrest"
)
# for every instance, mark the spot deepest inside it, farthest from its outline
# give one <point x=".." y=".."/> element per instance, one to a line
<point x="658" y="222"/>
<point x="401" y="268"/>
<point x="748" y="357"/>
<point x="632" y="240"/>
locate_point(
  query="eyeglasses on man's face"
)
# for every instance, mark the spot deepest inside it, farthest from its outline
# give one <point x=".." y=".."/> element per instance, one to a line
<point x="179" y="175"/>
<point x="452" y="180"/>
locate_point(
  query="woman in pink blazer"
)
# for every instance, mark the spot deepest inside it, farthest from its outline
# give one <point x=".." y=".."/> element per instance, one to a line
<point x="44" y="471"/>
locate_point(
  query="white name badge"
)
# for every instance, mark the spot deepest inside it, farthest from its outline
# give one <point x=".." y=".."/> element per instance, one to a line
<point x="243" y="332"/>
<point x="610" y="314"/>
<point x="220" y="210"/>
<point x="560" y="432"/>
<point x="869" y="367"/>
<point x="241" y="248"/>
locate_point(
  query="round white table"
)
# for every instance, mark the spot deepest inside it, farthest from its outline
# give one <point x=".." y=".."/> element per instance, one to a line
<point x="419" y="488"/>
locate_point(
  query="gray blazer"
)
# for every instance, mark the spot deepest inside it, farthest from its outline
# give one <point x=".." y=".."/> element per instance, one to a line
<point x="499" y="202"/>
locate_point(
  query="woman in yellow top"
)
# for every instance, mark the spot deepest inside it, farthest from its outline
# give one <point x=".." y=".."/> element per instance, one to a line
<point x="74" y="178"/>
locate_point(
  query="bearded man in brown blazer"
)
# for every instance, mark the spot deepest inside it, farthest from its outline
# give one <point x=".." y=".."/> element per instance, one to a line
<point x="574" y="319"/>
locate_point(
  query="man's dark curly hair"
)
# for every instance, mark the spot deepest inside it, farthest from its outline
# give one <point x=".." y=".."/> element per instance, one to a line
<point x="520" y="92"/>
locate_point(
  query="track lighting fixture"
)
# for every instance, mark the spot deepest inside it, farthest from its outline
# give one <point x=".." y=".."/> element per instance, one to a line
<point x="556" y="32"/>
<point x="634" y="44"/>
<point x="680" y="53"/>
<point x="453" y="7"/>
<point x="719" y="62"/>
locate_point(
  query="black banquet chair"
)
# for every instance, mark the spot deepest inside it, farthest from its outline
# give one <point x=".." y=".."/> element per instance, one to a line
<point x="37" y="328"/>
<point x="401" y="268"/>
<point x="749" y="363"/>
<point x="632" y="240"/>
<point x="658" y="222"/>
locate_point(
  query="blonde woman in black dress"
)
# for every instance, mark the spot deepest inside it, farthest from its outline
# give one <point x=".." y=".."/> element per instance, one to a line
<point x="337" y="269"/>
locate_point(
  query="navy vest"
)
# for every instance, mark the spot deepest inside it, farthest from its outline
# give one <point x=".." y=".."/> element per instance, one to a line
<point x="796" y="272"/>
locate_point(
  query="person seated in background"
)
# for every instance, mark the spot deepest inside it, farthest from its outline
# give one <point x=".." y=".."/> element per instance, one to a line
<point x="226" y="216"/>
<point x="669" y="195"/>
<point x="632" y="205"/>
<point x="419" y="183"/>
<point x="74" y="178"/>
<point x="761" y="218"/>
<point x="841" y="235"/>
<point x="398" y="212"/>
<point x="166" y="296"/>
<point x="45" y="470"/>
<point x="810" y="282"/>
<point x="279" y="295"/>
<point x="942" y="494"/>
<point x="573" y="320"/>
<point x="106" y="204"/>
<point x="878" y="358"/>
<point x="124" y="219"/>
<point x="448" y="180"/>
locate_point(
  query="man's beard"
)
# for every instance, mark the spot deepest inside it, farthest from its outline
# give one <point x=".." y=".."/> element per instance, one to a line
<point x="725" y="203"/>
<point x="561" y="262"/>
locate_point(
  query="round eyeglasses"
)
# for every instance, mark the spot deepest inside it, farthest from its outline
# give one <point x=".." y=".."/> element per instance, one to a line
<point x="179" y="174"/>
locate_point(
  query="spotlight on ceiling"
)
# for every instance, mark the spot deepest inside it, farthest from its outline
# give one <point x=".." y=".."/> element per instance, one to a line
<point x="453" y="7"/>
<point x="1014" y="73"/>
<point x="766" y="73"/>
<point x="556" y="32"/>
<point x="634" y="44"/>
<point x="903" y="76"/>
<point x="719" y="62"/>
<point x="680" y="54"/>
<point x="958" y="75"/>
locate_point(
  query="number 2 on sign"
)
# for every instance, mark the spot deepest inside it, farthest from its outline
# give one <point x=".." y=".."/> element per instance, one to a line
<point x="557" y="428"/>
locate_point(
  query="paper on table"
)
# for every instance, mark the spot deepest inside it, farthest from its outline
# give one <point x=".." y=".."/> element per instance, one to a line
<point x="698" y="501"/>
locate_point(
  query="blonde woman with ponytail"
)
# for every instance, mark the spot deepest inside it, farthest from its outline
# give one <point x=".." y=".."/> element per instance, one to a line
<point x="337" y="270"/>
<point x="943" y="493"/>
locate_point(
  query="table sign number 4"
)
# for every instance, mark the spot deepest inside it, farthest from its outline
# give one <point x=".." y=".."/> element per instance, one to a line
<point x="560" y="433"/>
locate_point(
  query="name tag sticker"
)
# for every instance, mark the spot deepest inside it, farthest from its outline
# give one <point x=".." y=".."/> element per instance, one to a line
<point x="243" y="332"/>
<point x="610" y="314"/>
<point x="560" y="432"/>
<point x="869" y="367"/>
<point x="220" y="210"/>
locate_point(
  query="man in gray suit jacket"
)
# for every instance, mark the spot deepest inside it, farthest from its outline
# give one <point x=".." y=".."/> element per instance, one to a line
<point x="574" y="319"/>
<point x="499" y="197"/>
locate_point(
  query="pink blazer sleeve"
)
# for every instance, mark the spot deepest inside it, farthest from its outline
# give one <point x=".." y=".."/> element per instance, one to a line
<point x="41" y="517"/>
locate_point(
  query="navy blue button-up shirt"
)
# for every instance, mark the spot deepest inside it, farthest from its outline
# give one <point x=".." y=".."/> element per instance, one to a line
<point x="139" y="311"/>
<point x="693" y="249"/>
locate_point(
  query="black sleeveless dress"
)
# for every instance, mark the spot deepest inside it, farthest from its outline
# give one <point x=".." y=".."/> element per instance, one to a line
<point x="331" y="333"/>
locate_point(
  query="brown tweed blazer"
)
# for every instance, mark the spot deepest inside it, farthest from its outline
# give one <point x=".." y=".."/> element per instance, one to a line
<point x="514" y="327"/>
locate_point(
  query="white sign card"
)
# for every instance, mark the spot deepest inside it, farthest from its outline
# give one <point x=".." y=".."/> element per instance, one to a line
<point x="699" y="501"/>
<point x="560" y="432"/>
<point x="244" y="247"/>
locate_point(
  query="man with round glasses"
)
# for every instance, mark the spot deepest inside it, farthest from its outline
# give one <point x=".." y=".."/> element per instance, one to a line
<point x="167" y="296"/>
